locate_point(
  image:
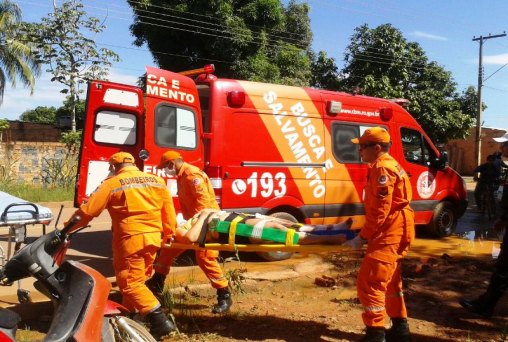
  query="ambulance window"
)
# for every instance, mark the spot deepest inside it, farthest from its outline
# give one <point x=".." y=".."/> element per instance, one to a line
<point x="175" y="127"/>
<point x="204" y="101"/>
<point x="416" y="149"/>
<point x="115" y="128"/>
<point x="343" y="149"/>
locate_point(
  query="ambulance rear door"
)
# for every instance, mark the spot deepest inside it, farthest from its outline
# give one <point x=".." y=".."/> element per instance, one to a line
<point x="113" y="123"/>
<point x="172" y="122"/>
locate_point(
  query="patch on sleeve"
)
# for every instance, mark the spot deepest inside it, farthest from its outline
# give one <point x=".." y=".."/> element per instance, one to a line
<point x="196" y="181"/>
<point x="383" y="179"/>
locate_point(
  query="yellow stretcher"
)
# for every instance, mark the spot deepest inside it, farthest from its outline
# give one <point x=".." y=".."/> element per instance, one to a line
<point x="235" y="228"/>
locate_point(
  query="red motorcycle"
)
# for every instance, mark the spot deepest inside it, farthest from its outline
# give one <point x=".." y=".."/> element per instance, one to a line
<point x="82" y="310"/>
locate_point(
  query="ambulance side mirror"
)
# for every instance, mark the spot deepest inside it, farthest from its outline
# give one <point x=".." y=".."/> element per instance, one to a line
<point x="440" y="162"/>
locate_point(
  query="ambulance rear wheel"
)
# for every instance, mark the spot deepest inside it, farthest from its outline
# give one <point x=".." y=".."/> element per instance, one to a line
<point x="444" y="220"/>
<point x="278" y="255"/>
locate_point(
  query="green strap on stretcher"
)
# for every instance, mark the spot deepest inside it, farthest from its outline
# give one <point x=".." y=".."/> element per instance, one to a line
<point x="234" y="228"/>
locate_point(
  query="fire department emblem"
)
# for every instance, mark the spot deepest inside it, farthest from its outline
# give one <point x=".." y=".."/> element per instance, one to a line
<point x="426" y="185"/>
<point x="238" y="186"/>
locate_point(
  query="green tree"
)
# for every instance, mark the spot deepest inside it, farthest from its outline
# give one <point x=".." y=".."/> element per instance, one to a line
<point x="4" y="125"/>
<point x="16" y="59"/>
<point x="66" y="109"/>
<point x="41" y="114"/>
<point x="325" y="73"/>
<point x="73" y="58"/>
<point x="253" y="39"/>
<point x="382" y="63"/>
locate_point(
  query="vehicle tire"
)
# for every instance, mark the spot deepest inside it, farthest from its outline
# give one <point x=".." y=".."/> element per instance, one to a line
<point x="120" y="335"/>
<point x="278" y="255"/>
<point x="444" y="220"/>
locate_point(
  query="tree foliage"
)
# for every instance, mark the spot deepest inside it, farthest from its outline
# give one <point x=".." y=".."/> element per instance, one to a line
<point x="16" y="59"/>
<point x="382" y="63"/>
<point x="51" y="115"/>
<point x="72" y="57"/>
<point x="41" y="114"/>
<point x="251" y="39"/>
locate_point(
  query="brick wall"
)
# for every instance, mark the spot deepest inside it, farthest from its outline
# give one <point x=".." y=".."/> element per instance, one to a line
<point x="35" y="162"/>
<point x="28" y="131"/>
<point x="461" y="152"/>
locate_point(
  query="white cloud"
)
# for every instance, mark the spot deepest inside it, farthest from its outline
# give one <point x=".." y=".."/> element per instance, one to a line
<point x="429" y="36"/>
<point x="496" y="59"/>
<point x="46" y="93"/>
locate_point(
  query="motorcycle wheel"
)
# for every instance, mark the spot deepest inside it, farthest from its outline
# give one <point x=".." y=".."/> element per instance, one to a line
<point x="120" y="334"/>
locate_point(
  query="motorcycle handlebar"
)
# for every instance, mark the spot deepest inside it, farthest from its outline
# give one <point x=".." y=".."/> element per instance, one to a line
<point x="65" y="230"/>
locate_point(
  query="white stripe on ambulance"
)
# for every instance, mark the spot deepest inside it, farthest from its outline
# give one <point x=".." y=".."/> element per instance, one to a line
<point x="294" y="141"/>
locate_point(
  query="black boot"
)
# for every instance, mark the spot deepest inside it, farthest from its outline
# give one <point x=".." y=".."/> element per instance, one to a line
<point x="399" y="331"/>
<point x="160" y="325"/>
<point x="374" y="334"/>
<point x="224" y="301"/>
<point x="477" y="306"/>
<point x="156" y="284"/>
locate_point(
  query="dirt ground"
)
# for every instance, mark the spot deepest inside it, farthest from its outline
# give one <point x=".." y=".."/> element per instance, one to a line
<point x="282" y="301"/>
<point x="313" y="298"/>
<point x="303" y="309"/>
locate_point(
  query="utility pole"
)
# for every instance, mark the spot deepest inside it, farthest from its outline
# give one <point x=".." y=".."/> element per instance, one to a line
<point x="479" y="116"/>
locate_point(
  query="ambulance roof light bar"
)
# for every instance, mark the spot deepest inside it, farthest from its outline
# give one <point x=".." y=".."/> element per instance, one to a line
<point x="401" y="102"/>
<point x="207" y="69"/>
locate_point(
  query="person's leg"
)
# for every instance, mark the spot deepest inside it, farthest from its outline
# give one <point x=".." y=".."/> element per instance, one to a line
<point x="131" y="273"/>
<point x="373" y="278"/>
<point x="485" y="304"/>
<point x="396" y="309"/>
<point x="477" y="195"/>
<point x="207" y="261"/>
<point x="162" y="266"/>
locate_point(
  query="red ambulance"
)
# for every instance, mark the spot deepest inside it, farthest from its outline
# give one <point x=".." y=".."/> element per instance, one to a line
<point x="267" y="148"/>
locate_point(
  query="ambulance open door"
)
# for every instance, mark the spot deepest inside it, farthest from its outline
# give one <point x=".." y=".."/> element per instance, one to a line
<point x="113" y="123"/>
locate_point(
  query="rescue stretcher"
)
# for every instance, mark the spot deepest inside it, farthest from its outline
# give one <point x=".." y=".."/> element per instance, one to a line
<point x="283" y="241"/>
<point x="16" y="213"/>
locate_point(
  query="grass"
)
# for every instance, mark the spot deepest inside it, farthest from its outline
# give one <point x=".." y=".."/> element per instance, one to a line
<point x="36" y="194"/>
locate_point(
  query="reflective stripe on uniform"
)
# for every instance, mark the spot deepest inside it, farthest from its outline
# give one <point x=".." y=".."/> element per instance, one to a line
<point x="132" y="186"/>
<point x="373" y="308"/>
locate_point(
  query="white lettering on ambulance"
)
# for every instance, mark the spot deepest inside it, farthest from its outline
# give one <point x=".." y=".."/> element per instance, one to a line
<point x="170" y="94"/>
<point x="294" y="141"/>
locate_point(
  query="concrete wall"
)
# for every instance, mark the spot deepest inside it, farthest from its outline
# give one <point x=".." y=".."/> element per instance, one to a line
<point x="461" y="152"/>
<point x="36" y="163"/>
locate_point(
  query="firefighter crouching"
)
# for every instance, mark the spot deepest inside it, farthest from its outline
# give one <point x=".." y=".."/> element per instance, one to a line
<point x="389" y="231"/>
<point x="195" y="193"/>
<point x="141" y="211"/>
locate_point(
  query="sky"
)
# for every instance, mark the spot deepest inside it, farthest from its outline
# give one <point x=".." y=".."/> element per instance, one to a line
<point x="444" y="29"/>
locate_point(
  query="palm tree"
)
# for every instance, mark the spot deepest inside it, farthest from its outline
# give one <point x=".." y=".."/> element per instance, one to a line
<point x="16" y="59"/>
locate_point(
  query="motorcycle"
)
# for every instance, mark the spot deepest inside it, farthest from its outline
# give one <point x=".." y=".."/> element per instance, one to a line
<point x="82" y="310"/>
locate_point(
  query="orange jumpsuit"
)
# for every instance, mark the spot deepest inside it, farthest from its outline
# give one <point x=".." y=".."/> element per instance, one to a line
<point x="195" y="192"/>
<point x="389" y="230"/>
<point x="141" y="211"/>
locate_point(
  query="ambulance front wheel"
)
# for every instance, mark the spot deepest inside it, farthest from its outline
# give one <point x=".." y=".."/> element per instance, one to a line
<point x="278" y="255"/>
<point x="444" y="220"/>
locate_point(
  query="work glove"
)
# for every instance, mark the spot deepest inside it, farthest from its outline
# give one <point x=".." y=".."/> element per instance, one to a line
<point x="356" y="243"/>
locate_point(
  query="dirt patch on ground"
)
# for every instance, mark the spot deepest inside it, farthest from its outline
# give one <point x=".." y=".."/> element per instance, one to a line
<point x="298" y="309"/>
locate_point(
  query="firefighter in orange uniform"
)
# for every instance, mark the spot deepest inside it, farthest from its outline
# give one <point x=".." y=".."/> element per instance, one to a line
<point x="389" y="231"/>
<point x="142" y="216"/>
<point x="195" y="193"/>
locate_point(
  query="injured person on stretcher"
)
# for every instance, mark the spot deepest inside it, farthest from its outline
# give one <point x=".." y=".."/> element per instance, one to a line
<point x="212" y="225"/>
